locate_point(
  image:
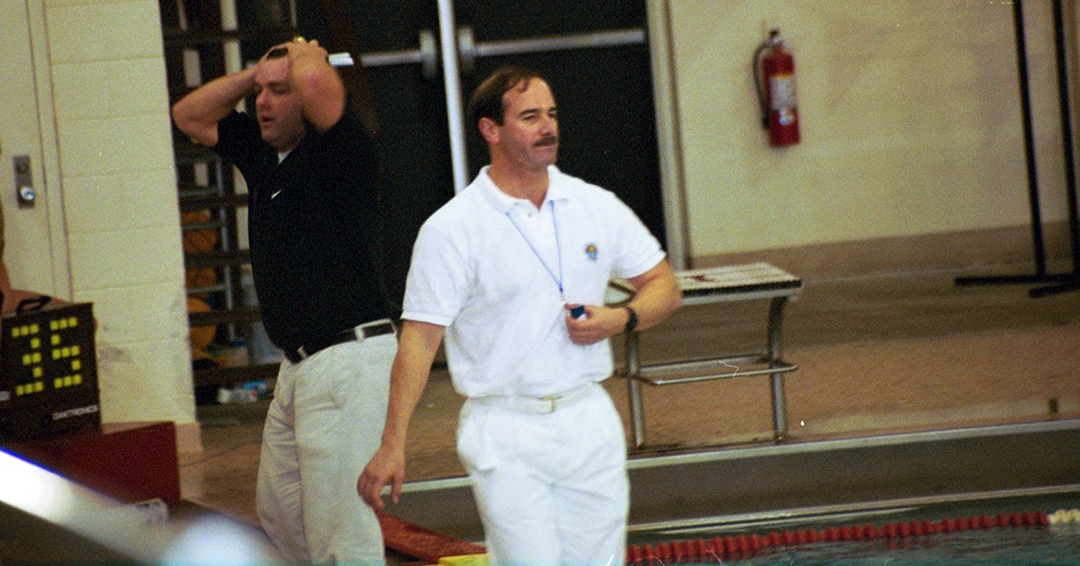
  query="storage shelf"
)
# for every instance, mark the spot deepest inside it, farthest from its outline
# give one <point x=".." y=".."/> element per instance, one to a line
<point x="190" y="201"/>
<point x="217" y="269"/>
<point x="214" y="318"/>
<point x="217" y="259"/>
<point x="186" y="38"/>
<point x="225" y="376"/>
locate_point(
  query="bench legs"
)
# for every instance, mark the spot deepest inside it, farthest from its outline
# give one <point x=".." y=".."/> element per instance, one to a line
<point x="773" y="359"/>
<point x="776" y="317"/>
<point x="633" y="371"/>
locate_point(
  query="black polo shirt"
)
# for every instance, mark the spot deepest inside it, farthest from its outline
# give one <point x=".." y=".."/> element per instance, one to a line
<point x="314" y="227"/>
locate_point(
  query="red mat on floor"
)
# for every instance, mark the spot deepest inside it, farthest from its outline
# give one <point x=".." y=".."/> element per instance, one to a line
<point x="420" y="543"/>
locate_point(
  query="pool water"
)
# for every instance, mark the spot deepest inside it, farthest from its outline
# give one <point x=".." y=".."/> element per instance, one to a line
<point x="984" y="545"/>
<point x="1001" y="546"/>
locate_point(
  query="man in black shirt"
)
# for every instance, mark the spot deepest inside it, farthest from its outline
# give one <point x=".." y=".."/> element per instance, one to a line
<point x="314" y="227"/>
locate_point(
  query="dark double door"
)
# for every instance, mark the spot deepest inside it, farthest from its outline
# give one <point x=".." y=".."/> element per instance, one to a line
<point x="594" y="52"/>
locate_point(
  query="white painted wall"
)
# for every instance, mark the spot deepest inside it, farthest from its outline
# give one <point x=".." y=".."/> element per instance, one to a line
<point x="910" y="115"/>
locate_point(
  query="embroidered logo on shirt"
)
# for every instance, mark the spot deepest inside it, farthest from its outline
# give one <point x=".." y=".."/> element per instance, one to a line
<point x="590" y="251"/>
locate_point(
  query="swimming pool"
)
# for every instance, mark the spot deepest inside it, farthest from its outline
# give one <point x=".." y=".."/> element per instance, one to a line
<point x="991" y="531"/>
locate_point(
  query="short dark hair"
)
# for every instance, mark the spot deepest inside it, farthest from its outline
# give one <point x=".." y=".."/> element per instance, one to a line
<point x="487" y="99"/>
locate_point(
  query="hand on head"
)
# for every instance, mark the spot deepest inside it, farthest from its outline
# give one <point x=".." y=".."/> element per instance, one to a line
<point x="296" y="48"/>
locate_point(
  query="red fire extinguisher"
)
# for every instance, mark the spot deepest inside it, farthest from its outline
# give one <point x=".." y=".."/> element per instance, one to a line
<point x="774" y="76"/>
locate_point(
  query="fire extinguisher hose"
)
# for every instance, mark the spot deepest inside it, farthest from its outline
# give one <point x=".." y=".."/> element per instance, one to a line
<point x="758" y="83"/>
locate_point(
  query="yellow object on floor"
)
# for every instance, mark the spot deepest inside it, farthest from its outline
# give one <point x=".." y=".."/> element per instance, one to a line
<point x="464" y="560"/>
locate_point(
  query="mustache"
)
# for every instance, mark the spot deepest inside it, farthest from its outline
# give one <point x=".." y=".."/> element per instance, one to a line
<point x="547" y="140"/>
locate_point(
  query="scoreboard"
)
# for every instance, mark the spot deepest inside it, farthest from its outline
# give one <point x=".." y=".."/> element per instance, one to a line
<point x="48" y="371"/>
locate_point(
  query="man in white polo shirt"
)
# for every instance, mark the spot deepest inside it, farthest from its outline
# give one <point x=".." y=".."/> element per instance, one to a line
<point x="513" y="270"/>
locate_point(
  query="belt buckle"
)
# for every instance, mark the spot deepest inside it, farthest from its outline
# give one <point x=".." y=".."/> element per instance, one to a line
<point x="553" y="403"/>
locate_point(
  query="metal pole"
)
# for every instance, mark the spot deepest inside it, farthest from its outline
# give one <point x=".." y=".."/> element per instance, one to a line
<point x="1032" y="174"/>
<point x="1070" y="165"/>
<point x="776" y="316"/>
<point x="452" y="80"/>
<point x="633" y="371"/>
<point x="1029" y="143"/>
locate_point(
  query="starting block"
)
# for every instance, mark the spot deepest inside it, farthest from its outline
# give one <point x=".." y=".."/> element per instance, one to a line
<point x="754" y="281"/>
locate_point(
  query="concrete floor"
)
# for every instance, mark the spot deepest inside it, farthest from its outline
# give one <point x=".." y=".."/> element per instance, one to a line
<point x="882" y="354"/>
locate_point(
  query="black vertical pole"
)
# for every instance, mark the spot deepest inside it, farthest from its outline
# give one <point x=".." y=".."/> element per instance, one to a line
<point x="1070" y="166"/>
<point x="1032" y="176"/>
<point x="1029" y="143"/>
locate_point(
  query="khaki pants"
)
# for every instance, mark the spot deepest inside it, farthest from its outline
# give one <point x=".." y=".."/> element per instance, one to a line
<point x="324" y="424"/>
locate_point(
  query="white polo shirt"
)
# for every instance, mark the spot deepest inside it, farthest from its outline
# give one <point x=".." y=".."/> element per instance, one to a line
<point x="477" y="270"/>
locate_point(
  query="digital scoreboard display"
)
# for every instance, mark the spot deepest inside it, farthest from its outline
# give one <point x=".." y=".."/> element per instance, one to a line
<point x="49" y="381"/>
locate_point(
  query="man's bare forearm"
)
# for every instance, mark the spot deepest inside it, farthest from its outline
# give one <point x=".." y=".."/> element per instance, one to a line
<point x="412" y="365"/>
<point x="322" y="92"/>
<point x="408" y="377"/>
<point x="198" y="113"/>
<point x="657" y="297"/>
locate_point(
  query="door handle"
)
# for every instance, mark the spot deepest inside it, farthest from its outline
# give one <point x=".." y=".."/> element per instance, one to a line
<point x="25" y="193"/>
<point x="427" y="55"/>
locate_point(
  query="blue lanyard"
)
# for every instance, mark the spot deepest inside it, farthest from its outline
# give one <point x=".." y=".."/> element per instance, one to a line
<point x="558" y="249"/>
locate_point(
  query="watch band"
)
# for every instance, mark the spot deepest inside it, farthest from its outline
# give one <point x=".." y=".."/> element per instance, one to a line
<point x="631" y="323"/>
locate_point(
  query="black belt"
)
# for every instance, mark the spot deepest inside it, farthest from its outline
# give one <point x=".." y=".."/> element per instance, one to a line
<point x="360" y="333"/>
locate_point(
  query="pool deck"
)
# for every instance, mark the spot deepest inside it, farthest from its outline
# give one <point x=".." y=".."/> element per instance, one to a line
<point x="908" y="387"/>
<point x="753" y="483"/>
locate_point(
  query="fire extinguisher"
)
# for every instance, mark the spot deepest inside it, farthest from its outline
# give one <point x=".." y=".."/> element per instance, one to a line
<point x="774" y="76"/>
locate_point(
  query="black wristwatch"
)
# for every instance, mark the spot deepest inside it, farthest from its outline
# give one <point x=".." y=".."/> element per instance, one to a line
<point x="631" y="323"/>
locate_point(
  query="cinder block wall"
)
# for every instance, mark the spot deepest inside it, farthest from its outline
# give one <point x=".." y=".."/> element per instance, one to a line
<point x="118" y="184"/>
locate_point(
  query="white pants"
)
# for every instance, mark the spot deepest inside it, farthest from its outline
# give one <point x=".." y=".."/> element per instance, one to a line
<point x="324" y="424"/>
<point x="550" y="488"/>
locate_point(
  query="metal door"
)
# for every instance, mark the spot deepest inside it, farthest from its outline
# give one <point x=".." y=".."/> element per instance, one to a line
<point x="423" y="58"/>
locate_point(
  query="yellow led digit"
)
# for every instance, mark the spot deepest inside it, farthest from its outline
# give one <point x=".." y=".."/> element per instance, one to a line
<point x="78" y="379"/>
<point x="58" y="383"/>
<point x="75" y="350"/>
<point x="34" y="328"/>
<point x="39" y="373"/>
<point x="76" y="365"/>
<point x="73" y="322"/>
<point x="39" y="386"/>
<point x="55" y="340"/>
<point x="35" y="343"/>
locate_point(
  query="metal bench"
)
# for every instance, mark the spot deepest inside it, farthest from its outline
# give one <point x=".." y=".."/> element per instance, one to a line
<point x="716" y="285"/>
